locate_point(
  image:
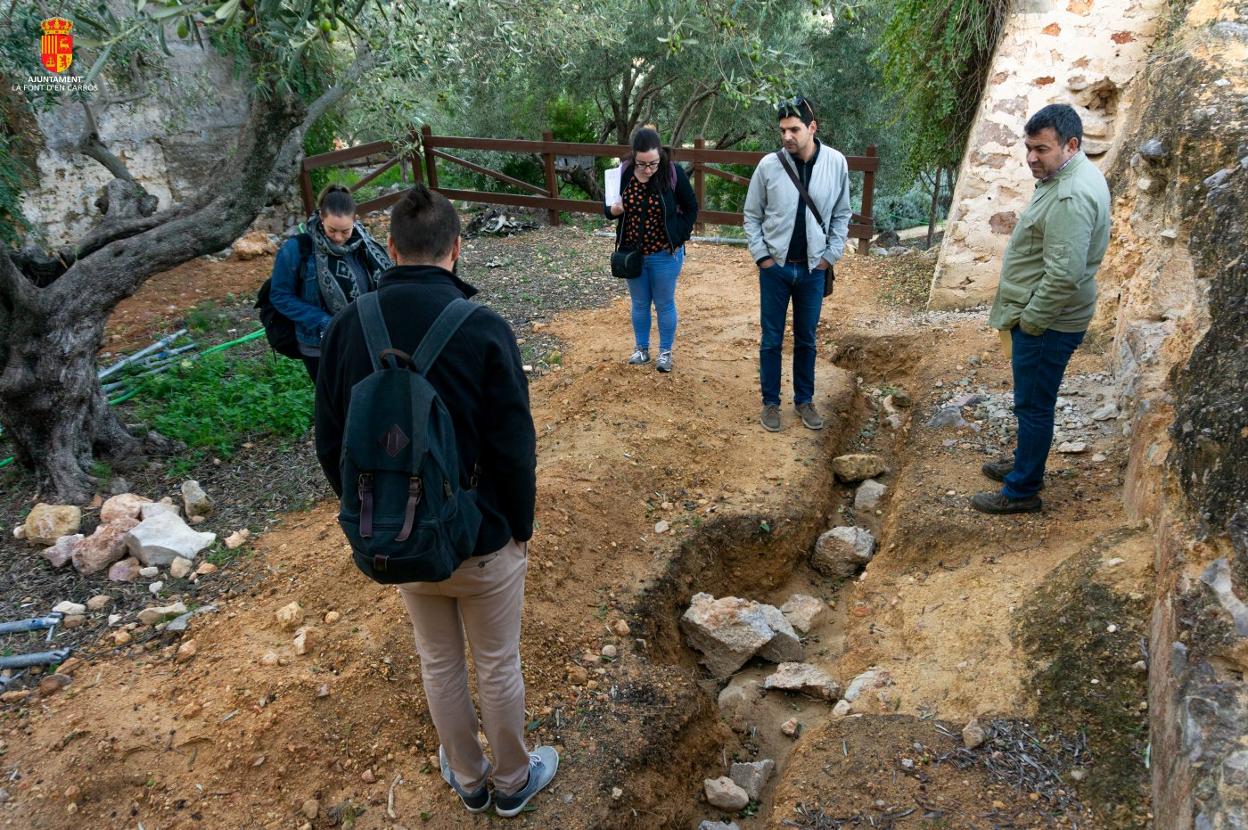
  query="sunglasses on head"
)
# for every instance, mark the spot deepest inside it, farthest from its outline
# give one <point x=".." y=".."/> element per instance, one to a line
<point x="795" y="107"/>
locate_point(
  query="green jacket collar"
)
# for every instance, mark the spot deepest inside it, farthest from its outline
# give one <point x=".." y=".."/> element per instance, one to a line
<point x="1076" y="161"/>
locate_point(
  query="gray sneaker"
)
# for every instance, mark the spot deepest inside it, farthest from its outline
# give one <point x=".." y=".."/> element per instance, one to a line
<point x="771" y="417"/>
<point x="543" y="762"/>
<point x="639" y="357"/>
<point x="477" y="802"/>
<point x="811" y="418"/>
<point x="664" y="363"/>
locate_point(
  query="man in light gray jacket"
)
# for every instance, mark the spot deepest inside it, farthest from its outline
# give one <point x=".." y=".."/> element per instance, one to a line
<point x="794" y="246"/>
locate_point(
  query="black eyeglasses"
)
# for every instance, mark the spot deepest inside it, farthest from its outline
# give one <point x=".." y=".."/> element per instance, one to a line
<point x="648" y="165"/>
<point x="794" y="107"/>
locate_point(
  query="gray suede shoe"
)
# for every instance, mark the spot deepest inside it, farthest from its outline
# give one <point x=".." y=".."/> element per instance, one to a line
<point x="811" y="419"/>
<point x="770" y="417"/>
<point x="639" y="357"/>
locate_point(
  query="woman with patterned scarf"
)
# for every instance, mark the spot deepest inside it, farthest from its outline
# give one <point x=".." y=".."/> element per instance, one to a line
<point x="319" y="271"/>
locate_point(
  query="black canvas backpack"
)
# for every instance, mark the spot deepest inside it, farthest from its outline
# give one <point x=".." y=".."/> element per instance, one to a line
<point x="279" y="329"/>
<point x="403" y="508"/>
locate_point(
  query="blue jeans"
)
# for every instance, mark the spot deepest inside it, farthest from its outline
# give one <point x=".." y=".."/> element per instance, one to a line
<point x="657" y="285"/>
<point x="776" y="285"/>
<point x="1038" y="363"/>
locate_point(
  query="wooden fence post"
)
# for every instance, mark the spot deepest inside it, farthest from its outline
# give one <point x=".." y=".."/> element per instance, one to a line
<point x="868" y="202"/>
<point x="699" y="183"/>
<point x="418" y="175"/>
<point x="305" y="190"/>
<point x="552" y="183"/>
<point x="430" y="169"/>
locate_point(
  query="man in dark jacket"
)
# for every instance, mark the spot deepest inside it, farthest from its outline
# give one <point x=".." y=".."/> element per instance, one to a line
<point x="480" y="379"/>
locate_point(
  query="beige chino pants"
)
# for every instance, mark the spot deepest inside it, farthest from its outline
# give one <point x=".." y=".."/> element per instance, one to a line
<point x="482" y="599"/>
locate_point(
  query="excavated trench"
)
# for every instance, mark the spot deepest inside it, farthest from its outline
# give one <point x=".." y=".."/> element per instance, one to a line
<point x="761" y="556"/>
<point x="1005" y="588"/>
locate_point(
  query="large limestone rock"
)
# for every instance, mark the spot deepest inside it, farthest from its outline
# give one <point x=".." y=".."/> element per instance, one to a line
<point x="48" y="522"/>
<point x="868" y="495"/>
<point x="752" y="777"/>
<point x="729" y="631"/>
<point x="843" y="551"/>
<point x="803" y="612"/>
<point x="804" y="678"/>
<point x="724" y="794"/>
<point x="147" y="511"/>
<point x="252" y="245"/>
<point x="124" y="506"/>
<point x="103" y="547"/>
<point x="164" y="537"/>
<point x="858" y="467"/>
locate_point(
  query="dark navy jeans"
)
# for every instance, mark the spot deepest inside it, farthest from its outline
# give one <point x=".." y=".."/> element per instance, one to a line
<point x="776" y="286"/>
<point x="1038" y="363"/>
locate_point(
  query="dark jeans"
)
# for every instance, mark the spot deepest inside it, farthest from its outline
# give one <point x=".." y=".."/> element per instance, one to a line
<point x="776" y="285"/>
<point x="1038" y="363"/>
<point x="311" y="364"/>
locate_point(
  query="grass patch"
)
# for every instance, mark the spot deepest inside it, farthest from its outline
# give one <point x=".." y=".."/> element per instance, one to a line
<point x="213" y="403"/>
<point x="207" y="317"/>
<point x="1084" y="680"/>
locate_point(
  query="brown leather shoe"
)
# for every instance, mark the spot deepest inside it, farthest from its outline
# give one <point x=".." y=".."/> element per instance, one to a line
<point x="998" y="503"/>
<point x="999" y="469"/>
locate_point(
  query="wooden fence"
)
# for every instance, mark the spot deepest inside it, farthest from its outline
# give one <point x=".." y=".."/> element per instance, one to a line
<point x="700" y="160"/>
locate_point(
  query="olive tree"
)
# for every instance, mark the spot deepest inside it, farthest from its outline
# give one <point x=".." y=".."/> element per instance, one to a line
<point x="300" y="58"/>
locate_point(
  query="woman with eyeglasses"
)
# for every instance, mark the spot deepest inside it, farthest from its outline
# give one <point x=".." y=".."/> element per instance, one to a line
<point x="318" y="272"/>
<point x="657" y="210"/>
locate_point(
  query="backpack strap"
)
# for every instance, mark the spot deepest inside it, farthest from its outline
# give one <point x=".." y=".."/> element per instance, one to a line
<point x="801" y="190"/>
<point x="376" y="337"/>
<point x="440" y="333"/>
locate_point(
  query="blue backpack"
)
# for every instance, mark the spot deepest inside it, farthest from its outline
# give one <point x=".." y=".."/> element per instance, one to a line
<point x="402" y="507"/>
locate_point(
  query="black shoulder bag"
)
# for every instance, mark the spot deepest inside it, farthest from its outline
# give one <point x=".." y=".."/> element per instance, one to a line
<point x="625" y="262"/>
<point x="829" y="276"/>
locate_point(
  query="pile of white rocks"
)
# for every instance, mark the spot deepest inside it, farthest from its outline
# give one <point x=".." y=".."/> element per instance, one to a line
<point x="136" y="536"/>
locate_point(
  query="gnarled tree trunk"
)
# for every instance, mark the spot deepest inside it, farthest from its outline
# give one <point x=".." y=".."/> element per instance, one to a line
<point x="51" y="404"/>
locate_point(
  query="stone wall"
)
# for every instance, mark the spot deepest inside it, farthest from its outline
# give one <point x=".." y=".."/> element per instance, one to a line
<point x="1083" y="52"/>
<point x="172" y="154"/>
<point x="1175" y="295"/>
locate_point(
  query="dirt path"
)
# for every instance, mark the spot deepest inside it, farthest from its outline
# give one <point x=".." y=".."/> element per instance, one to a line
<point x="246" y="732"/>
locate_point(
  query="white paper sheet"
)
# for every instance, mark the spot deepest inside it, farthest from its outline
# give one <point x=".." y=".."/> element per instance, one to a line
<point x="611" y="181"/>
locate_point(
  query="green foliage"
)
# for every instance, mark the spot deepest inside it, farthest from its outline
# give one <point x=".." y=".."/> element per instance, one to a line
<point x="571" y="120"/>
<point x="935" y="55"/>
<point x="910" y="208"/>
<point x="211" y="403"/>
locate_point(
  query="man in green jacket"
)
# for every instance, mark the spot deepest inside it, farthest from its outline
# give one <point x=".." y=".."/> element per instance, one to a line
<point x="1047" y="295"/>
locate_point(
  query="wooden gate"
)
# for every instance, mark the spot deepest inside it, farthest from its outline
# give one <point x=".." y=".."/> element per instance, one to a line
<point x="700" y="160"/>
